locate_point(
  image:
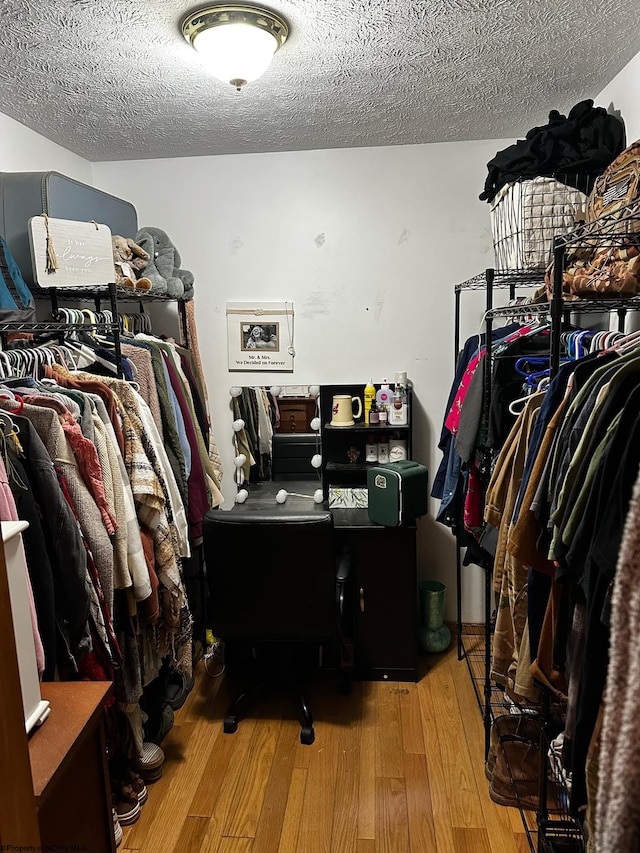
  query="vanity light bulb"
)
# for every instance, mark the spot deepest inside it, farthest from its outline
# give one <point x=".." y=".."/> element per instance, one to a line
<point x="275" y="390"/>
<point x="238" y="425"/>
<point x="235" y="390"/>
<point x="240" y="460"/>
<point x="317" y="496"/>
<point x="314" y="390"/>
<point x="316" y="460"/>
<point x="281" y="496"/>
<point x="315" y="424"/>
<point x="241" y="497"/>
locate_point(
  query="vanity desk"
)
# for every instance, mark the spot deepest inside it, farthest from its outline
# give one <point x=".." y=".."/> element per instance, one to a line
<point x="382" y="586"/>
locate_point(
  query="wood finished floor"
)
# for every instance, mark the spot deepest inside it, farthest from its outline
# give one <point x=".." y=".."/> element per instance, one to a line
<point x="395" y="768"/>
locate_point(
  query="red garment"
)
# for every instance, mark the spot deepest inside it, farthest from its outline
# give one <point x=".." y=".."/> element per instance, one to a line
<point x="474" y="502"/>
<point x="86" y="456"/>
<point x="452" y="421"/>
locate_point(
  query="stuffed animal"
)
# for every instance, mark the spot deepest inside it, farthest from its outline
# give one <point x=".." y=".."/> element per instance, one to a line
<point x="129" y="260"/>
<point x="164" y="264"/>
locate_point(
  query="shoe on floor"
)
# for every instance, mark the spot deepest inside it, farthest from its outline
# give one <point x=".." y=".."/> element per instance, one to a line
<point x="177" y="687"/>
<point x="139" y="788"/>
<point x="117" y="828"/>
<point x="159" y="723"/>
<point x="127" y="808"/>
<point x="149" y="765"/>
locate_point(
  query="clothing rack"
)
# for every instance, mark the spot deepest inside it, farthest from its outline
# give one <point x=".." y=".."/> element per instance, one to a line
<point x="475" y="644"/>
<point x="113" y="296"/>
<point x="477" y="650"/>
<point x="113" y="324"/>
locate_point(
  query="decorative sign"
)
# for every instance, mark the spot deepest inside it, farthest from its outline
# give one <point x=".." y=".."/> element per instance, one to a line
<point x="82" y="250"/>
<point x="260" y="336"/>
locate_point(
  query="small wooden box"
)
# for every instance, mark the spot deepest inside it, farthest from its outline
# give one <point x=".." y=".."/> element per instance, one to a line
<point x="296" y="414"/>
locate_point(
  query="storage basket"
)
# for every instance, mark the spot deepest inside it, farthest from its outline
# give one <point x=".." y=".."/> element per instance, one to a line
<point x="525" y="217"/>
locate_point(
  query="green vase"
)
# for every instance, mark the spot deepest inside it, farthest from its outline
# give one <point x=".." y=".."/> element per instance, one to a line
<point x="435" y="636"/>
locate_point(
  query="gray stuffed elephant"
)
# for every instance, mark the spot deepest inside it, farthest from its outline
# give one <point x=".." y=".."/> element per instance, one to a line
<point x="163" y="268"/>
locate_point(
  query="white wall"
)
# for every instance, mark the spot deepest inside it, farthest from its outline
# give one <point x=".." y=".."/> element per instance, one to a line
<point x="622" y="96"/>
<point x="24" y="150"/>
<point x="367" y="244"/>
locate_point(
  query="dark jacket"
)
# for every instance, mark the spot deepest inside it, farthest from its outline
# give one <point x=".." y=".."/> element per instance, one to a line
<point x="63" y="545"/>
<point x="574" y="149"/>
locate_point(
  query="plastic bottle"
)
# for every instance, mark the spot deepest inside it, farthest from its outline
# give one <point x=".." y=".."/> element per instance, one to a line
<point x="374" y="415"/>
<point x="383" y="450"/>
<point x="369" y="395"/>
<point x="383" y="397"/>
<point x="372" y="449"/>
<point x="399" y="411"/>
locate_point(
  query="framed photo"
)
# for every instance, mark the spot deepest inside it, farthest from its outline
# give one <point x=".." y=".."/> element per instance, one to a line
<point x="260" y="336"/>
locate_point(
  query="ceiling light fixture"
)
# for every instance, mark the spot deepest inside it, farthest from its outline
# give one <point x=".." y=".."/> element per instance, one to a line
<point x="237" y="42"/>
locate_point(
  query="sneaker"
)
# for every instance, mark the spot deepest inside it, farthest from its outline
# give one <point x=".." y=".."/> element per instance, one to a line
<point x="139" y="788"/>
<point x="127" y="807"/>
<point x="117" y="828"/>
<point x="149" y="765"/>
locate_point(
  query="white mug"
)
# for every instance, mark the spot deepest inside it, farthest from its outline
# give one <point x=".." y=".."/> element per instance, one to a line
<point x="342" y="410"/>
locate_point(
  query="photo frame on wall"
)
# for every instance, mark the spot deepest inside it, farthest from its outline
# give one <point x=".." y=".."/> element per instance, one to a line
<point x="260" y="336"/>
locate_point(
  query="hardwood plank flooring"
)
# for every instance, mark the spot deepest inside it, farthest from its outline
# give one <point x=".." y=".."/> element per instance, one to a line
<point x="395" y="768"/>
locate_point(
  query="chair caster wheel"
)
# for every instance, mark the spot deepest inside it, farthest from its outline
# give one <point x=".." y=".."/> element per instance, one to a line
<point x="307" y="735"/>
<point x="230" y="725"/>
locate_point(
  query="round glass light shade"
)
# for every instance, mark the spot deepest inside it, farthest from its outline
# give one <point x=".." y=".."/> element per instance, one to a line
<point x="236" y="53"/>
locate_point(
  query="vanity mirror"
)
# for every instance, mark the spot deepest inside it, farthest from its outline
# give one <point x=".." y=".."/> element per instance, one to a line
<point x="276" y="433"/>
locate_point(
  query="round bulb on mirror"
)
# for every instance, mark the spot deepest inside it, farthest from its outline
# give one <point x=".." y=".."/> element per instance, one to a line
<point x="241" y="497"/>
<point x="281" y="496"/>
<point x="314" y="390"/>
<point x="318" y="496"/>
<point x="316" y="460"/>
<point x="238" y="424"/>
<point x="315" y="424"/>
<point x="240" y="460"/>
<point x="235" y="390"/>
<point x="275" y="390"/>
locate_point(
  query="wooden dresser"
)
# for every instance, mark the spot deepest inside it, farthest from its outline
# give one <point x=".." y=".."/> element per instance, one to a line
<point x="69" y="769"/>
<point x="296" y="414"/>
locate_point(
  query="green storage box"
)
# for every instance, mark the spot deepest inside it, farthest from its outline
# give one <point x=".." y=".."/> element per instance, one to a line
<point x="398" y="492"/>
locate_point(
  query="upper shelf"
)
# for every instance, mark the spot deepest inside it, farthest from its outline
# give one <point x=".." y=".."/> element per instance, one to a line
<point x="123" y="294"/>
<point x="502" y="278"/>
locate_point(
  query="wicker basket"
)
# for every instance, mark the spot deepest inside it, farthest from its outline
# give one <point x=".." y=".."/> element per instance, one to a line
<point x="525" y="217"/>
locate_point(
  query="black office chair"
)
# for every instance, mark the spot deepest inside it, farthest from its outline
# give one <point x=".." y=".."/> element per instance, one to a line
<point x="276" y="595"/>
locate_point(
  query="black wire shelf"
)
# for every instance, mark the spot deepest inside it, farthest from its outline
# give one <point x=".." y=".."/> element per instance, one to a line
<point x="613" y="231"/>
<point x="55" y="327"/>
<point x="582" y="306"/>
<point x="124" y="294"/>
<point x="503" y="279"/>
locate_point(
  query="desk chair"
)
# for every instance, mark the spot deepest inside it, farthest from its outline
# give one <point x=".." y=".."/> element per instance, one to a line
<point x="275" y="588"/>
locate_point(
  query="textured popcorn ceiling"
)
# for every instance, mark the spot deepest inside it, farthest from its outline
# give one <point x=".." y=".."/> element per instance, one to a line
<point x="115" y="79"/>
